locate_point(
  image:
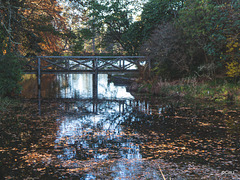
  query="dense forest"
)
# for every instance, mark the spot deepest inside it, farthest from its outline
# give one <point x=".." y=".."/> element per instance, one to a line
<point x="182" y="38"/>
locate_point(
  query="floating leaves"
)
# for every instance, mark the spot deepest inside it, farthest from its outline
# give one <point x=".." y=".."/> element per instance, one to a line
<point x="187" y="142"/>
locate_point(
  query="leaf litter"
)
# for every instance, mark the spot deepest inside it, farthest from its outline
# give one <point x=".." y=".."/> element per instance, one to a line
<point x="188" y="145"/>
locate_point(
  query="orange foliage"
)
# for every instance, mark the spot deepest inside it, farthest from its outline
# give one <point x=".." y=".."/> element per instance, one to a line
<point x="45" y="21"/>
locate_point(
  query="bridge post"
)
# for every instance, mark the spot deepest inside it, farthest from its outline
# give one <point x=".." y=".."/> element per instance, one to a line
<point x="120" y="63"/>
<point x="67" y="64"/>
<point x="39" y="76"/>
<point x="95" y="78"/>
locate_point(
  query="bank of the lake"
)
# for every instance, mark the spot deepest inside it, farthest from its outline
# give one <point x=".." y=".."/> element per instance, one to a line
<point x="218" y="90"/>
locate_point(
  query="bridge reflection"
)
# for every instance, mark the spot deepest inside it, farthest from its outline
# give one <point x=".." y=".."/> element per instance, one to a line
<point x="81" y="106"/>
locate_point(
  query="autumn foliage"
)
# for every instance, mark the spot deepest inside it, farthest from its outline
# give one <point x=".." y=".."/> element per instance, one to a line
<point x="46" y="23"/>
<point x="35" y="27"/>
<point x="28" y="28"/>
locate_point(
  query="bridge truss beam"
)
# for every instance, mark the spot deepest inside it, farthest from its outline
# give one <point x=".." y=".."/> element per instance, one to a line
<point x="85" y="64"/>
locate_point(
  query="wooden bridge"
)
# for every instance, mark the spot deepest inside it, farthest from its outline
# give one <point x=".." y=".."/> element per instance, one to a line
<point x="84" y="64"/>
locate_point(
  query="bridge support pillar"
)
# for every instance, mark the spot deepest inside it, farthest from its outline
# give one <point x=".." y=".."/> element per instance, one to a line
<point x="95" y="86"/>
<point x="95" y="79"/>
<point x="39" y="77"/>
<point x="39" y="85"/>
<point x="95" y="83"/>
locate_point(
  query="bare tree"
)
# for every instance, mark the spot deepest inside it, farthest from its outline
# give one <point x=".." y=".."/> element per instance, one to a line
<point x="166" y="49"/>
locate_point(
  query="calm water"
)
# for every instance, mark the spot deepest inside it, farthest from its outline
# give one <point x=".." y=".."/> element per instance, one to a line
<point x="118" y="135"/>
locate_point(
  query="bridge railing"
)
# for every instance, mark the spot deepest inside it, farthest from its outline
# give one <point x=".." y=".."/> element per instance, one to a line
<point x="85" y="64"/>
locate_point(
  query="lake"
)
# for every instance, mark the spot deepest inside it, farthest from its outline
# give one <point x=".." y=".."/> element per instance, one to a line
<point x="67" y="133"/>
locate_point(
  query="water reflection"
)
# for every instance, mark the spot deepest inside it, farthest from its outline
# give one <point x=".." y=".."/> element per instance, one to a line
<point x="91" y="128"/>
<point x="94" y="137"/>
<point x="99" y="136"/>
<point x="117" y="135"/>
<point x="74" y="86"/>
<point x="78" y="86"/>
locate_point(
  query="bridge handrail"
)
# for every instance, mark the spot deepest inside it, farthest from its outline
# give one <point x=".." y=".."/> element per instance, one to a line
<point x="90" y="57"/>
<point x="98" y="64"/>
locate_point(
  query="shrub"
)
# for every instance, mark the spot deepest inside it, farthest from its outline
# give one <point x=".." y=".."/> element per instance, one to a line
<point x="233" y="69"/>
<point x="10" y="75"/>
<point x="167" y="50"/>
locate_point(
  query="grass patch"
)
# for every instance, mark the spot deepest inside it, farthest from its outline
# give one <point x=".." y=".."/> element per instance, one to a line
<point x="217" y="90"/>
